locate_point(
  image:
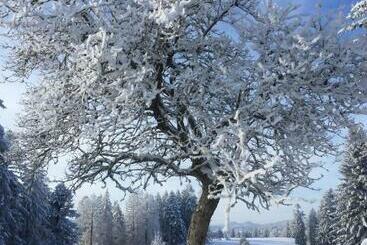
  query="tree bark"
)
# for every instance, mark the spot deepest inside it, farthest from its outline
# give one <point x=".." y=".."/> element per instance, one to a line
<point x="201" y="218"/>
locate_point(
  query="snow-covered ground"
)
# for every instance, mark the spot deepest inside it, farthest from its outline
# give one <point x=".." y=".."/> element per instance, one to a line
<point x="257" y="241"/>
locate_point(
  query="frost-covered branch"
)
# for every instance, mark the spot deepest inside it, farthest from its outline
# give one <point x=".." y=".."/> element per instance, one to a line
<point x="238" y="94"/>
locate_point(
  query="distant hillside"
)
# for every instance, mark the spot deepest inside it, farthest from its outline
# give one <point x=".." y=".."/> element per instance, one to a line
<point x="250" y="225"/>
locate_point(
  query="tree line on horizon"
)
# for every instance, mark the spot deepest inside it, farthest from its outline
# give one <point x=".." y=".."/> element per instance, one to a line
<point x="146" y="219"/>
<point x="32" y="213"/>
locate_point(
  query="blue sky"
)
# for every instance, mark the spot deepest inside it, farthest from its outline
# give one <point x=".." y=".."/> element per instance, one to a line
<point x="11" y="94"/>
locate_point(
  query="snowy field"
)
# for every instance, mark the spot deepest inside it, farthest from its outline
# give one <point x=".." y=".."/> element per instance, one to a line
<point x="257" y="241"/>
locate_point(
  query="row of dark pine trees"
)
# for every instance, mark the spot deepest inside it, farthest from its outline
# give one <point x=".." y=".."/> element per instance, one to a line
<point x="342" y="216"/>
<point x="146" y="220"/>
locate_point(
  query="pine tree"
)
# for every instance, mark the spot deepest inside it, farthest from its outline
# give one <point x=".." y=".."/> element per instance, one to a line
<point x="36" y="229"/>
<point x="64" y="230"/>
<point x="98" y="219"/>
<point x="288" y="230"/>
<point x="298" y="226"/>
<point x="266" y="233"/>
<point x="256" y="233"/>
<point x="340" y="228"/>
<point x="23" y="202"/>
<point x="312" y="227"/>
<point x="188" y="205"/>
<point x="135" y="217"/>
<point x="105" y="220"/>
<point x="173" y="219"/>
<point x="4" y="144"/>
<point x="86" y="220"/>
<point x="11" y="210"/>
<point x="118" y="231"/>
<point x="353" y="215"/>
<point x="151" y="218"/>
<point x="163" y="223"/>
<point x="327" y="219"/>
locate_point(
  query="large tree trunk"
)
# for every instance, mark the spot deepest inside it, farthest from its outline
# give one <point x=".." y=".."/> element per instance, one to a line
<point x="201" y="218"/>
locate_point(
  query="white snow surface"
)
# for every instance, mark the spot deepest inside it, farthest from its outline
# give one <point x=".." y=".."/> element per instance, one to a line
<point x="364" y="242"/>
<point x="256" y="241"/>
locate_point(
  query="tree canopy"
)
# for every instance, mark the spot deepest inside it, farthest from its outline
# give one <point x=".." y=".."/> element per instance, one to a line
<point x="239" y="94"/>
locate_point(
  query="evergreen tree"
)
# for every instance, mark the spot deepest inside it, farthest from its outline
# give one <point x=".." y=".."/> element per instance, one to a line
<point x="24" y="202"/>
<point x="172" y="216"/>
<point x="353" y="204"/>
<point x="256" y="233"/>
<point x="64" y="230"/>
<point x="11" y="210"/>
<point x="86" y="220"/>
<point x="118" y="231"/>
<point x="232" y="233"/>
<point x="266" y="233"/>
<point x="163" y="223"/>
<point x="299" y="230"/>
<point x="36" y="228"/>
<point x="4" y="144"/>
<point x="312" y="227"/>
<point x="105" y="220"/>
<point x="151" y="218"/>
<point x="327" y="219"/>
<point x="340" y="228"/>
<point x="188" y="205"/>
<point x="98" y="219"/>
<point x="288" y="230"/>
<point x="135" y="216"/>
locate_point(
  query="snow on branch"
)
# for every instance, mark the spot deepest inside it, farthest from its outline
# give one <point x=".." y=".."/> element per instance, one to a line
<point x="238" y="94"/>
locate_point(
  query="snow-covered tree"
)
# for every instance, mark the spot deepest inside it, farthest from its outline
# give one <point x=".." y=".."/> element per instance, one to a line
<point x="288" y="230"/>
<point x="256" y="233"/>
<point x="118" y="230"/>
<point x="188" y="204"/>
<point x="23" y="204"/>
<point x="327" y="219"/>
<point x="105" y="220"/>
<point x="64" y="229"/>
<point x="298" y="226"/>
<point x="173" y="220"/>
<point x="4" y="144"/>
<point x="134" y="216"/>
<point x="151" y="218"/>
<point x="339" y="227"/>
<point x="145" y="90"/>
<point x="36" y="203"/>
<point x="313" y="223"/>
<point x="353" y="203"/>
<point x="162" y="221"/>
<point x="99" y="221"/>
<point x="86" y="212"/>
<point x="11" y="210"/>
